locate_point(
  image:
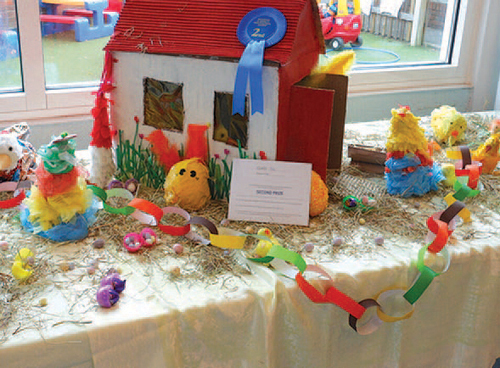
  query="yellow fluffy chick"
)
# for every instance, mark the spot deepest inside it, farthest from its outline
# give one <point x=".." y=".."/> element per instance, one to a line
<point x="405" y="133"/>
<point x="449" y="174"/>
<point x="319" y="195"/>
<point x="448" y="125"/>
<point x="263" y="246"/>
<point x="21" y="268"/>
<point x="487" y="153"/>
<point x="186" y="185"/>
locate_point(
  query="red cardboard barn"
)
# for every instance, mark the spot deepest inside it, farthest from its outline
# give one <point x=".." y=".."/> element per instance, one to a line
<point x="190" y="49"/>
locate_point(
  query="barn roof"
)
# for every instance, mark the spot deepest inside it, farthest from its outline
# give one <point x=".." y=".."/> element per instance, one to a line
<point x="205" y="28"/>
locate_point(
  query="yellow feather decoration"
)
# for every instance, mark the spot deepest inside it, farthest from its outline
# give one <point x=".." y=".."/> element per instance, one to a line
<point x="405" y="133"/>
<point x="340" y="64"/>
<point x="51" y="211"/>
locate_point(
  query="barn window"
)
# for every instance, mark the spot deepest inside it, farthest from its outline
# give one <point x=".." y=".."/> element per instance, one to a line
<point x="229" y="128"/>
<point x="163" y="105"/>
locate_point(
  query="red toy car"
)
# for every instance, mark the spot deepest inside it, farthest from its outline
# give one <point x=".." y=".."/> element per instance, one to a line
<point x="343" y="26"/>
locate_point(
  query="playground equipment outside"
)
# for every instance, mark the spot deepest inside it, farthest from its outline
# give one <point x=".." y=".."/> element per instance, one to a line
<point x="341" y="24"/>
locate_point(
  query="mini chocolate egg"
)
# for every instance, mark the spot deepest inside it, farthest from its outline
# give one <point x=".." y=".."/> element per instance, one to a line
<point x="4" y="245"/>
<point x="115" y="184"/>
<point x="338" y="241"/>
<point x="250" y="230"/>
<point x="133" y="242"/>
<point x="365" y="200"/>
<point x="131" y="185"/>
<point x="64" y="266"/>
<point x="175" y="271"/>
<point x="178" y="248"/>
<point x="225" y="222"/>
<point x="379" y="240"/>
<point x="149" y="237"/>
<point x="351" y="202"/>
<point x="98" y="243"/>
<point x="309" y="247"/>
<point x="42" y="302"/>
<point x="362" y="221"/>
<point x="90" y="270"/>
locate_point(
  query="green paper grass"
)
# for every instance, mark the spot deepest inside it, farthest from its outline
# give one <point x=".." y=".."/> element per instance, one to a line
<point x="138" y="162"/>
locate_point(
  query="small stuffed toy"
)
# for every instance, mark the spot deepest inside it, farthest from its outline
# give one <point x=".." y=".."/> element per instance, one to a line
<point x="186" y="185"/>
<point x="10" y="157"/>
<point x="17" y="156"/>
<point x="449" y="125"/>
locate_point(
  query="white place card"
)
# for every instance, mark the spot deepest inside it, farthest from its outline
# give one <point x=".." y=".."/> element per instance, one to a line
<point x="270" y="191"/>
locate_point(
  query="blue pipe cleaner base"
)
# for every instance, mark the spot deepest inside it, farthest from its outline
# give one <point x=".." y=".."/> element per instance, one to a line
<point x="416" y="183"/>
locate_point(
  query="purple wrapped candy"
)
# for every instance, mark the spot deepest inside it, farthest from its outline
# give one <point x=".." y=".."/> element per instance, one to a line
<point x="114" y="280"/>
<point x="106" y="296"/>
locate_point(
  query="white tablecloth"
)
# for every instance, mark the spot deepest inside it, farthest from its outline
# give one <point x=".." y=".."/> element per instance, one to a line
<point x="262" y="319"/>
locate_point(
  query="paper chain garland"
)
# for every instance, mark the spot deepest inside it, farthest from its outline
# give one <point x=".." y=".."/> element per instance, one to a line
<point x="18" y="189"/>
<point x="441" y="225"/>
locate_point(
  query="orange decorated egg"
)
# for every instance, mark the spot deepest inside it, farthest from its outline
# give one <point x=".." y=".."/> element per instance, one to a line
<point x="319" y="195"/>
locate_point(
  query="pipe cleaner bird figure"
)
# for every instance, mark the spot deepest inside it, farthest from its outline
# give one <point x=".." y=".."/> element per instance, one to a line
<point x="488" y="154"/>
<point x="409" y="169"/>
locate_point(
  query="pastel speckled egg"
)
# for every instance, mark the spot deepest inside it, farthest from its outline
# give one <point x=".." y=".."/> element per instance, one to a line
<point x="319" y="195"/>
<point x="4" y="245"/>
<point x="338" y="241"/>
<point x="178" y="248"/>
<point x="309" y="247"/>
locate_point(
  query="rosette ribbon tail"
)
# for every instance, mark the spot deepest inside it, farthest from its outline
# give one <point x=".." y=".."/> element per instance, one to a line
<point x="249" y="70"/>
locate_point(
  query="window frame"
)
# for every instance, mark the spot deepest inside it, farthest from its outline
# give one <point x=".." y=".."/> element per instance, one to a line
<point x="36" y="103"/>
<point x="456" y="73"/>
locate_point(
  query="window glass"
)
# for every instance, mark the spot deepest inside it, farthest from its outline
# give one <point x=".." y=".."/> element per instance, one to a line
<point x="388" y="32"/>
<point x="10" y="63"/>
<point x="163" y="105"/>
<point x="74" y="33"/>
<point x="229" y="128"/>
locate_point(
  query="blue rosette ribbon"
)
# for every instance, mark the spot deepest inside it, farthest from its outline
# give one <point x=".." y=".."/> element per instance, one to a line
<point x="260" y="28"/>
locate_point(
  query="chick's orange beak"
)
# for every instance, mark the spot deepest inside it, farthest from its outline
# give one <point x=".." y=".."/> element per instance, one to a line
<point x="454" y="133"/>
